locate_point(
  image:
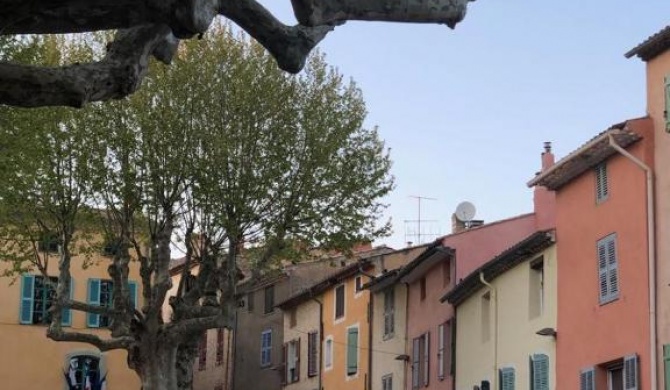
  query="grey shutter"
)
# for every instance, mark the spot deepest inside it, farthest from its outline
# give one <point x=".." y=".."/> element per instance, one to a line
<point x="540" y="372"/>
<point x="352" y="351"/>
<point x="507" y="378"/>
<point x="440" y="351"/>
<point x="601" y="182"/>
<point x="602" y="272"/>
<point x="630" y="375"/>
<point x="587" y="380"/>
<point x="426" y="358"/>
<point x="416" y="359"/>
<point x="612" y="267"/>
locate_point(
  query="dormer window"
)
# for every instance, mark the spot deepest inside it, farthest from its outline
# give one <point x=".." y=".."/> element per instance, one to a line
<point x="602" y="187"/>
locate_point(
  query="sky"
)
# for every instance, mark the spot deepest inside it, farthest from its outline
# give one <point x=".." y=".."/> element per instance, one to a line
<point x="465" y="112"/>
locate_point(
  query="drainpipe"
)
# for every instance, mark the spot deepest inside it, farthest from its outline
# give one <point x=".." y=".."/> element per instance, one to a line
<point x="321" y="339"/>
<point x="494" y="298"/>
<point x="651" y="252"/>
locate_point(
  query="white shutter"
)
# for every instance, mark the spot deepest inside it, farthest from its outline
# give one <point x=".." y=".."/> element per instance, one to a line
<point x="630" y="375"/>
<point x="440" y="351"/>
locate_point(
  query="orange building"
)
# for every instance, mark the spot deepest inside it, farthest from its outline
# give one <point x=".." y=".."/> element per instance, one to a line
<point x="603" y="262"/>
<point x="29" y="360"/>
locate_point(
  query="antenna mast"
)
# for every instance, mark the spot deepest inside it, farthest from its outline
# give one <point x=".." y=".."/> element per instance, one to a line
<point x="418" y="221"/>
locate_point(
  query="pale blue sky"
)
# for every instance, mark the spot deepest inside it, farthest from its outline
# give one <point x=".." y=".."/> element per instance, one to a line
<point x="465" y="112"/>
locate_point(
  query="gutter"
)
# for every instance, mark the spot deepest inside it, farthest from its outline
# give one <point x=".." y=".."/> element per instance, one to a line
<point x="651" y="253"/>
<point x="494" y="298"/>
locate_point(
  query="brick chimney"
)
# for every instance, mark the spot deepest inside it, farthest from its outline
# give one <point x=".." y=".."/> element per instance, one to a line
<point x="456" y="224"/>
<point x="544" y="201"/>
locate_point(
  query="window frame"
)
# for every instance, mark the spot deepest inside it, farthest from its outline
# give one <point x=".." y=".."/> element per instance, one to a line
<point x="355" y="350"/>
<point x="102" y="365"/>
<point x="312" y="354"/>
<point x="389" y="313"/>
<point x="266" y="348"/>
<point x="602" y="182"/>
<point x="328" y="353"/>
<point x="387" y="382"/>
<point x="340" y="297"/>
<point x="269" y="299"/>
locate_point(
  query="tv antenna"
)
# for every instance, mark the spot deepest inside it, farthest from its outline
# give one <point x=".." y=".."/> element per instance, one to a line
<point x="418" y="221"/>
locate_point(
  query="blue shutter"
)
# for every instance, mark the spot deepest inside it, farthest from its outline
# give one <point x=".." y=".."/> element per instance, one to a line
<point x="507" y="378"/>
<point x="540" y="372"/>
<point x="93" y="320"/>
<point x="66" y="317"/>
<point x="132" y="286"/>
<point x="27" y="295"/>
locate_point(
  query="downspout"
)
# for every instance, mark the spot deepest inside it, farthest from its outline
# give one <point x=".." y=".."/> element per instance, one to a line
<point x="370" y="324"/>
<point x="651" y="252"/>
<point x="494" y="298"/>
<point x="321" y="339"/>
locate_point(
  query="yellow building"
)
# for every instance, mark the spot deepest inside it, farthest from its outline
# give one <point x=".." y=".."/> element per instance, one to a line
<point x="29" y="360"/>
<point x="506" y="319"/>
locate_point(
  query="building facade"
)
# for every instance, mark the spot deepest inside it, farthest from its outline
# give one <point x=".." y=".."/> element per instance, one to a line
<point x="604" y="313"/>
<point x="506" y="328"/>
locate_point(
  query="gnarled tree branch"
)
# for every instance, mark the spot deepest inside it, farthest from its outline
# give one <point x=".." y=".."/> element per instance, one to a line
<point x="57" y="334"/>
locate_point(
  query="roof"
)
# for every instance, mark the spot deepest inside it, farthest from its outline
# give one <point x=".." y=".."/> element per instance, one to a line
<point x="586" y="157"/>
<point x="435" y="253"/>
<point x="324" y="284"/>
<point x="506" y="260"/>
<point x="652" y="46"/>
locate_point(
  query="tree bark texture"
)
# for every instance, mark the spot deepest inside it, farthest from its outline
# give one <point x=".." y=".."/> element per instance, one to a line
<point x="153" y="27"/>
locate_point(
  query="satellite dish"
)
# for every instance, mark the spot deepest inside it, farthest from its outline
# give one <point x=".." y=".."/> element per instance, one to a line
<point x="465" y="211"/>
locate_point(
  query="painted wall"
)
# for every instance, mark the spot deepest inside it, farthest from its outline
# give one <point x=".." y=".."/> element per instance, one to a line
<point x="385" y="350"/>
<point x="307" y="319"/>
<point x="31" y="361"/>
<point x="589" y="333"/>
<point x="657" y="70"/>
<point x="355" y="314"/>
<point x="516" y="338"/>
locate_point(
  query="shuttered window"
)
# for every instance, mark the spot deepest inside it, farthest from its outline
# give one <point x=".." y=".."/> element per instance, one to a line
<point x="426" y="359"/>
<point x="100" y="293"/>
<point x="421" y="361"/>
<point x="630" y="373"/>
<point x="328" y="355"/>
<point x="608" y="269"/>
<point x="269" y="299"/>
<point x="37" y="296"/>
<point x="293" y="361"/>
<point x="443" y="349"/>
<point x="602" y="187"/>
<point x="587" y="380"/>
<point x="352" y="351"/>
<point x="389" y="312"/>
<point x="266" y="348"/>
<point x="507" y="378"/>
<point x="387" y="382"/>
<point x="312" y="353"/>
<point x="416" y="362"/>
<point x="539" y="372"/>
<point x="339" y="301"/>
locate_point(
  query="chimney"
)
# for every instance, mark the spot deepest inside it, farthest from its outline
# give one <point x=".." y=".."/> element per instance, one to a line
<point x="456" y="224"/>
<point x="544" y="201"/>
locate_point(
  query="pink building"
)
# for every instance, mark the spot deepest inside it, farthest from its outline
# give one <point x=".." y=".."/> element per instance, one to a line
<point x="603" y="260"/>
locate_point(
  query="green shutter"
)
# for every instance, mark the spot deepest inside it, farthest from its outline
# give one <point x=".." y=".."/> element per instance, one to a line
<point x="27" y="295"/>
<point x="540" y="372"/>
<point x="93" y="320"/>
<point x="132" y="287"/>
<point x="666" y="365"/>
<point x="352" y="351"/>
<point x="66" y="317"/>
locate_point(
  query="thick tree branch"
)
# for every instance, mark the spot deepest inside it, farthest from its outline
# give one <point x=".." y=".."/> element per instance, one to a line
<point x="85" y="307"/>
<point x="117" y="75"/>
<point x="178" y="331"/>
<point x="57" y="334"/>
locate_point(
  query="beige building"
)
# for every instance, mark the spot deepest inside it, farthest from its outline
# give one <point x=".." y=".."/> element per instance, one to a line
<point x="29" y="360"/>
<point x="302" y="340"/>
<point x="506" y="319"/>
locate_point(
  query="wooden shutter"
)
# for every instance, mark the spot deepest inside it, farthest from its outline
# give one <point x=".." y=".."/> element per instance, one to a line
<point x="630" y="375"/>
<point x="93" y="320"/>
<point x="447" y="347"/>
<point x="440" y="351"/>
<point x="312" y="356"/>
<point x="27" y="296"/>
<point x="283" y="366"/>
<point x="540" y="372"/>
<point x="66" y="317"/>
<point x="587" y="380"/>
<point x="416" y="360"/>
<point x="426" y="358"/>
<point x="602" y="272"/>
<point x="132" y="288"/>
<point x="297" y="360"/>
<point x="612" y="267"/>
<point x="352" y="351"/>
<point x="507" y="378"/>
<point x="601" y="183"/>
<point x="339" y="301"/>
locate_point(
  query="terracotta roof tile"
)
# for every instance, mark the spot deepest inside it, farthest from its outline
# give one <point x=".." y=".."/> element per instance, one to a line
<point x="652" y="46"/>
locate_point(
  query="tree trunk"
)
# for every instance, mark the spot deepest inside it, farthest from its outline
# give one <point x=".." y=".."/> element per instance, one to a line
<point x="157" y="366"/>
<point x="186" y="354"/>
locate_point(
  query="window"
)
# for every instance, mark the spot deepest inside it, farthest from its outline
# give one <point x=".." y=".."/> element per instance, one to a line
<point x="443" y="349"/>
<point x="49" y="242"/>
<point x="446" y="273"/>
<point x="328" y="355"/>
<point x="587" y="379"/>
<point x="293" y="317"/>
<point x="387" y="382"/>
<point x="630" y="373"/>
<point x="536" y="288"/>
<point x="250" y="301"/>
<point x="100" y="293"/>
<point x="601" y="183"/>
<point x="202" y="352"/>
<point x="312" y="354"/>
<point x="389" y="312"/>
<point x="507" y="378"/>
<point x="539" y="372"/>
<point x="422" y="286"/>
<point x="37" y="297"/>
<point x="486" y="317"/>
<point x="266" y="348"/>
<point x="359" y="284"/>
<point x="352" y="351"/>
<point x="420" y="360"/>
<point x="83" y="371"/>
<point x="219" y="347"/>
<point x="339" y="301"/>
<point x="292" y="360"/>
<point x="269" y="299"/>
<point x="608" y="270"/>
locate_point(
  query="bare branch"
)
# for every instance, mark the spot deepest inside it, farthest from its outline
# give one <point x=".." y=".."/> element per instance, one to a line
<point x="85" y="307"/>
<point x="177" y="331"/>
<point x="57" y="334"/>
